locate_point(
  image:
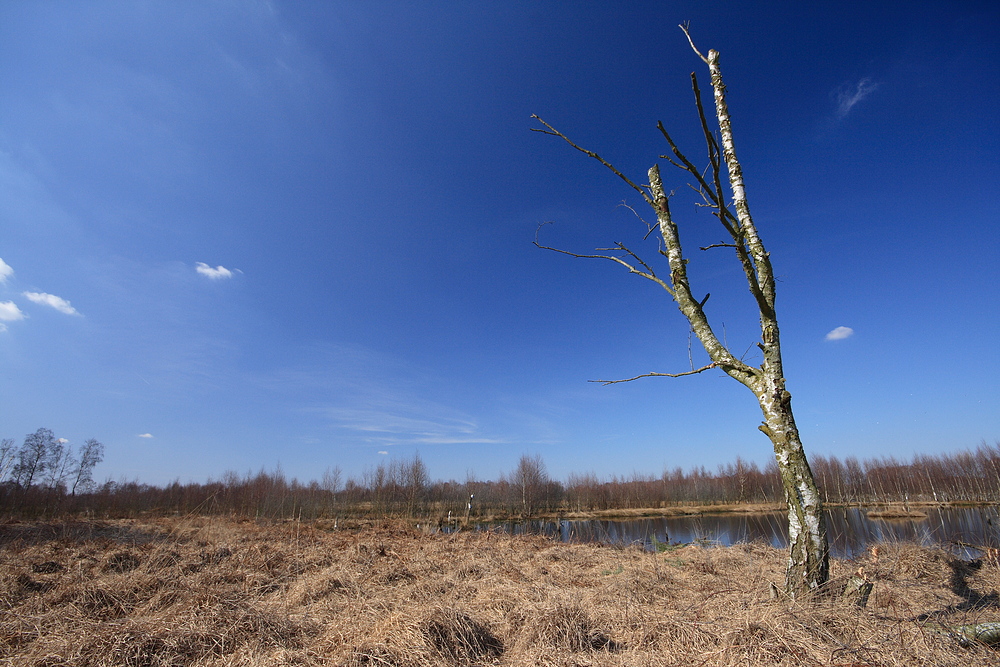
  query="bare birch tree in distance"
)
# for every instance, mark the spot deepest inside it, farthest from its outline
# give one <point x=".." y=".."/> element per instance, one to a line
<point x="808" y="561"/>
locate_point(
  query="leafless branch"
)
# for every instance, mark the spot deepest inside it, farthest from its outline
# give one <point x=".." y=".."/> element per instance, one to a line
<point x="649" y="228"/>
<point x="728" y="219"/>
<point x="659" y="375"/>
<point x="684" y="26"/>
<point x="690" y="355"/>
<point x="685" y="164"/>
<point x="712" y="146"/>
<point x="554" y="132"/>
<point x="706" y="200"/>
<point x="712" y="195"/>
<point x="649" y="274"/>
<point x="719" y="245"/>
<point x="623" y="248"/>
<point x="671" y="161"/>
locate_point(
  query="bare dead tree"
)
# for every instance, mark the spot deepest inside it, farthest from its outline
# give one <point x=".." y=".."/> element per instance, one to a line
<point x="529" y="480"/>
<point x="8" y="455"/>
<point x="60" y="465"/>
<point x="808" y="562"/>
<point x="37" y="454"/>
<point x="91" y="454"/>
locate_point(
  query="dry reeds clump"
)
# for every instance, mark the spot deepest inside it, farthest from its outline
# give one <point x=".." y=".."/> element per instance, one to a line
<point x="214" y="592"/>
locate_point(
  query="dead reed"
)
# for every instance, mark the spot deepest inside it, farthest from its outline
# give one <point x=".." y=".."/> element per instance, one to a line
<point x="218" y="592"/>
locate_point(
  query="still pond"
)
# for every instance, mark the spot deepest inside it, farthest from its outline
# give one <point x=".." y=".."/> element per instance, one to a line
<point x="850" y="529"/>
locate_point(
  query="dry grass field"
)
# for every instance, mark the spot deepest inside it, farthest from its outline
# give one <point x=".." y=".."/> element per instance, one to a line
<point x="209" y="591"/>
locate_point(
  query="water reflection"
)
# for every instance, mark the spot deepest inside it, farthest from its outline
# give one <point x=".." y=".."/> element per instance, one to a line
<point x="850" y="529"/>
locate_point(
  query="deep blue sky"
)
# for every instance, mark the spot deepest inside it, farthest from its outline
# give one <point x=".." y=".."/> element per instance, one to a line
<point x="238" y="234"/>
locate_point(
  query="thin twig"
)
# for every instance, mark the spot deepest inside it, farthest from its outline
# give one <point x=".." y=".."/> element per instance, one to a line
<point x="659" y="375"/>
<point x="649" y="274"/>
<point x="690" y="355"/>
<point x="650" y="228"/>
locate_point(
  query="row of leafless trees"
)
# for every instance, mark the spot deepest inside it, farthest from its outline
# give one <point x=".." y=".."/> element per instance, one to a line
<point x="971" y="476"/>
<point x="45" y="469"/>
<point x="966" y="476"/>
<point x="61" y="482"/>
<point x="395" y="488"/>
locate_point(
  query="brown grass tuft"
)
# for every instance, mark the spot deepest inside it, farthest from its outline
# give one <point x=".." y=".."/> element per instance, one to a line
<point x="461" y="640"/>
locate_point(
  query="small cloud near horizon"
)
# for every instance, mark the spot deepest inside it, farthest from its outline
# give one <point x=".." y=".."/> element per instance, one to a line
<point x="53" y="301"/>
<point x="840" y="333"/>
<point x="145" y="435"/>
<point x="849" y="95"/>
<point x="384" y="453"/>
<point x="5" y="272"/>
<point x="218" y="273"/>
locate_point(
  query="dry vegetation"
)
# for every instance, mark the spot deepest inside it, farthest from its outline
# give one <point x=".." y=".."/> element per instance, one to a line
<point x="217" y="592"/>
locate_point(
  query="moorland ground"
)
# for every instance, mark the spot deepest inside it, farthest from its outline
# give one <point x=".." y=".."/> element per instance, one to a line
<point x="215" y="591"/>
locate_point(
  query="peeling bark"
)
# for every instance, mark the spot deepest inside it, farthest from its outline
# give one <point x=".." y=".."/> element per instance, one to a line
<point x="808" y="552"/>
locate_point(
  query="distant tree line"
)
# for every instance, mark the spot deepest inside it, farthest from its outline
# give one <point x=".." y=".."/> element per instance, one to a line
<point x="968" y="476"/>
<point x="44" y="477"/>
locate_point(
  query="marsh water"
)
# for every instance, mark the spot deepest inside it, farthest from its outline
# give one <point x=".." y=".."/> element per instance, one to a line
<point x="850" y="529"/>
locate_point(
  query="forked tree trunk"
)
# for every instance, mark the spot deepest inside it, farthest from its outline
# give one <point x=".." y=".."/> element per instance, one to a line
<point x="808" y="557"/>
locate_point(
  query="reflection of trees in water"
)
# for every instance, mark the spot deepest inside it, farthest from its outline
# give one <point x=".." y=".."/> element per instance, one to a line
<point x="851" y="531"/>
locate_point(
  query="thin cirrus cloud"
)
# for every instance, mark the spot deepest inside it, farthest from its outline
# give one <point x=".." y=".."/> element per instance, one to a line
<point x="145" y="435"/>
<point x="840" y="333"/>
<point x="217" y="273"/>
<point x="5" y="272"/>
<point x="53" y="301"/>
<point x="387" y="426"/>
<point x="849" y="95"/>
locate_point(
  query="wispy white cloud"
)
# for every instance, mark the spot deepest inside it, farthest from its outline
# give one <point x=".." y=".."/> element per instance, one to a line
<point x="62" y="441"/>
<point x="218" y="273"/>
<point x="840" y="333"/>
<point x="5" y="272"/>
<point x="9" y="312"/>
<point x="145" y="435"/>
<point x="407" y="420"/>
<point x="848" y="95"/>
<point x="375" y="400"/>
<point x="383" y="452"/>
<point x="445" y="440"/>
<point x="57" y="302"/>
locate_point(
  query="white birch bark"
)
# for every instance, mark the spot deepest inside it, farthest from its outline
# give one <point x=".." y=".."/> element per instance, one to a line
<point x="808" y="559"/>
